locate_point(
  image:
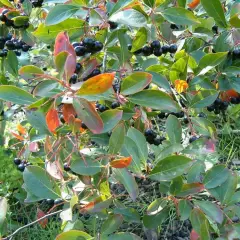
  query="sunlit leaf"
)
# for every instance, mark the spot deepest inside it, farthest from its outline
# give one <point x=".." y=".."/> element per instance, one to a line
<point x="52" y="120"/>
<point x="121" y="163"/>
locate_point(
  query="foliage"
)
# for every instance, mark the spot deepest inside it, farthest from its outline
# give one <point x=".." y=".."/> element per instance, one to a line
<point x="113" y="93"/>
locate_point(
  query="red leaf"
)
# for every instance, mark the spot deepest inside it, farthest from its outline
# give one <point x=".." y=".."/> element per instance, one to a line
<point x="62" y="43"/>
<point x="41" y="214"/>
<point x="121" y="163"/>
<point x="194" y="235"/>
<point x="68" y="110"/>
<point x="52" y="120"/>
<point x="18" y="136"/>
<point x="193" y="4"/>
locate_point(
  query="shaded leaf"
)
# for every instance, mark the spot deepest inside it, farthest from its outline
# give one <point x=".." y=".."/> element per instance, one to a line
<point x="111" y="224"/>
<point x="73" y="235"/>
<point x="174" y="129"/>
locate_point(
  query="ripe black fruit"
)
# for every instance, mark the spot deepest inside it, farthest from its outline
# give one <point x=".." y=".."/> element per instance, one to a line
<point x="162" y="115"/>
<point x="73" y="79"/>
<point x="192" y="139"/>
<point x="98" y="46"/>
<point x="17" y="161"/>
<point x="155" y="45"/>
<point x="157" y="52"/>
<point x="147" y="51"/>
<point x="102" y="108"/>
<point x="129" y="47"/>
<point x="115" y="105"/>
<point x="139" y="51"/>
<point x="210" y="108"/>
<point x="88" y="43"/>
<point x="80" y="51"/>
<point x="174" y="26"/>
<point x="78" y="68"/>
<point x="165" y="49"/>
<point x="95" y="72"/>
<point x="157" y="141"/>
<point x="203" y="115"/>
<point x="66" y="167"/>
<point x="75" y="44"/>
<point x="21" y="167"/>
<point x="44" y="68"/>
<point x="215" y="29"/>
<point x="172" y="48"/>
<point x="185" y="120"/>
<point x="236" y="53"/>
<point x="50" y="202"/>
<point x="150" y="133"/>
<point x="18" y="53"/>
<point x="25" y="48"/>
<point x="10" y="44"/>
<point x="233" y="100"/>
<point x="84" y="126"/>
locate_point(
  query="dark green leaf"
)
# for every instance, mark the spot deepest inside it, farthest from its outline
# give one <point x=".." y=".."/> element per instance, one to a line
<point x="117" y="139"/>
<point x="204" y="98"/>
<point x="129" y="214"/>
<point x="174" y="129"/>
<point x="11" y="63"/>
<point x="111" y="224"/>
<point x="184" y="207"/>
<point x="110" y="119"/>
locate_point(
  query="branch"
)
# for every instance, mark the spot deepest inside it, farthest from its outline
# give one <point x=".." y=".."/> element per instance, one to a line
<point x="10" y="237"/>
<point x="105" y="62"/>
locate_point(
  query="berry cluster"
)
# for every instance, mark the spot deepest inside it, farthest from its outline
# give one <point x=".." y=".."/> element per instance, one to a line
<point x="163" y="115"/>
<point x="10" y="43"/>
<point x="21" y="164"/>
<point x="218" y="106"/>
<point x="52" y="202"/>
<point x="88" y="45"/>
<point x="236" y="54"/>
<point x="155" y="48"/>
<point x="101" y="107"/>
<point x="9" y="22"/>
<point x="153" y="138"/>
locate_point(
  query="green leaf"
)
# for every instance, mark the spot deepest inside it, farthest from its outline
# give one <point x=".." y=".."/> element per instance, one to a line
<point x="110" y="119"/>
<point x="3" y="212"/>
<point x="38" y="182"/>
<point x="15" y="95"/>
<point x="190" y="189"/>
<point x="205" y="230"/>
<point x="27" y="7"/>
<point x="182" y="3"/>
<point x="160" y="81"/>
<point x="73" y="235"/>
<point x="211" y="210"/>
<point x="120" y="5"/>
<point x="7" y="3"/>
<point x="30" y="71"/>
<point x="170" y="167"/>
<point x="88" y="114"/>
<point x="117" y="139"/>
<point x="111" y="224"/>
<point x="125" y="236"/>
<point x="184" y="207"/>
<point x="60" y="61"/>
<point x="215" y="176"/>
<point x="47" y="34"/>
<point x="47" y="88"/>
<point x="225" y="191"/>
<point x="20" y="20"/>
<point x="180" y="16"/>
<point x="129" y="214"/>
<point x="60" y="12"/>
<point x="126" y="178"/>
<point x="176" y="185"/>
<point x="197" y="217"/>
<point x="174" y="129"/>
<point x="86" y="166"/>
<point x="136" y="82"/>
<point x="11" y="63"/>
<point x="124" y="54"/>
<point x="95" y="18"/>
<point x="204" y="127"/>
<point x="38" y="121"/>
<point x="150" y="3"/>
<point x="209" y="61"/>
<point x="155" y="99"/>
<point x="204" y="98"/>
<point x="235" y="20"/>
<point x="130" y="148"/>
<point x="140" y="39"/>
<point x="214" y="9"/>
<point x="129" y="17"/>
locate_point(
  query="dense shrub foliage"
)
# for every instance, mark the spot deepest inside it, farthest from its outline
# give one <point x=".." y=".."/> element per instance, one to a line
<point x="118" y="113"/>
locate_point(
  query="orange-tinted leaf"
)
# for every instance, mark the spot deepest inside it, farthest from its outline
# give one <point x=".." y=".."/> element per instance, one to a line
<point x="98" y="84"/>
<point x="227" y="95"/>
<point x="52" y="120"/>
<point x="88" y="206"/>
<point x="68" y="110"/>
<point x="181" y="86"/>
<point x="193" y="4"/>
<point x="21" y="129"/>
<point x="194" y="235"/>
<point x="18" y="136"/>
<point x="121" y="163"/>
<point x="62" y="43"/>
<point x="41" y="214"/>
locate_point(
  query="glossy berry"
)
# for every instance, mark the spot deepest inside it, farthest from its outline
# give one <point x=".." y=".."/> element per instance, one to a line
<point x="44" y="68"/>
<point x="115" y="105"/>
<point x="210" y="108"/>
<point x="173" y="48"/>
<point x="58" y="201"/>
<point x="78" y="68"/>
<point x="147" y="51"/>
<point x="66" y="167"/>
<point x="17" y="161"/>
<point x="10" y="45"/>
<point x="223" y="106"/>
<point x="113" y="25"/>
<point x="173" y="26"/>
<point x="25" y="48"/>
<point x="139" y="51"/>
<point x="75" y="44"/>
<point x="157" y="141"/>
<point x="185" y="120"/>
<point x="202" y="115"/>
<point x="50" y="202"/>
<point x="150" y="133"/>
<point x="102" y="108"/>
<point x="3" y="53"/>
<point x="98" y="46"/>
<point x="129" y="47"/>
<point x="88" y="43"/>
<point x="18" y="53"/>
<point x="157" y="52"/>
<point x="73" y="79"/>
<point x="155" y="45"/>
<point x="193" y="138"/>
<point x="62" y="119"/>
<point x="217" y="111"/>
<point x="165" y="49"/>
<point x="95" y="72"/>
<point x="162" y="115"/>
<point x="236" y="53"/>
<point x="21" y="167"/>
<point x="18" y="44"/>
<point x="80" y="51"/>
<point x="215" y="29"/>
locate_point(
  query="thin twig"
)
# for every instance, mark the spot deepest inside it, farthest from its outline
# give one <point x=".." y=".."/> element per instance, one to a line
<point x="105" y="62"/>
<point x="10" y="237"/>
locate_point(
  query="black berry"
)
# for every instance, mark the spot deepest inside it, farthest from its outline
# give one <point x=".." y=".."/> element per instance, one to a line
<point x="17" y="161"/>
<point x="113" y="25"/>
<point x="21" y="167"/>
<point x="147" y="51"/>
<point x="78" y="68"/>
<point x="58" y="201"/>
<point x="155" y="45"/>
<point x="80" y="51"/>
<point x="157" y="52"/>
<point x="165" y="49"/>
<point x="73" y="79"/>
<point x="102" y="108"/>
<point x="98" y="46"/>
<point x="192" y="139"/>
<point x="115" y="105"/>
<point x="173" y="48"/>
<point x="10" y="45"/>
<point x="66" y="167"/>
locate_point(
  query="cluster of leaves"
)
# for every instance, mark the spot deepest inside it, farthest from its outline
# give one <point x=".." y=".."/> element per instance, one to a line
<point x="78" y="155"/>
